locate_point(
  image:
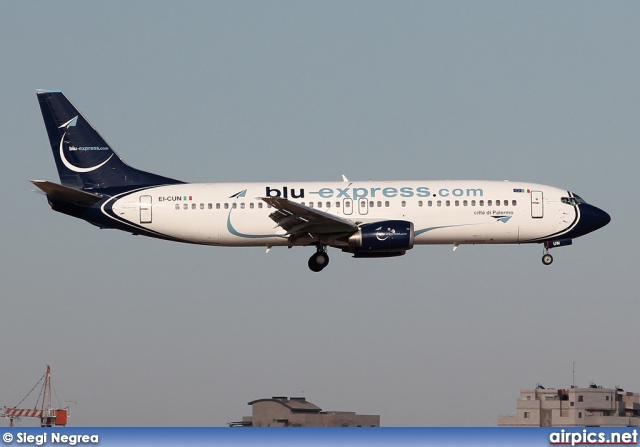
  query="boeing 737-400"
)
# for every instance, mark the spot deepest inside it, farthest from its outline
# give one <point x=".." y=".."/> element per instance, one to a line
<point x="369" y="219"/>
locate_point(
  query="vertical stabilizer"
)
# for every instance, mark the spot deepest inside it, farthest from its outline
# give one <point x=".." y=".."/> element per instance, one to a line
<point x="83" y="158"/>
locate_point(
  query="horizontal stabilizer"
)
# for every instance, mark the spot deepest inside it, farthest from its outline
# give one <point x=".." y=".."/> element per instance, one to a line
<point x="66" y="194"/>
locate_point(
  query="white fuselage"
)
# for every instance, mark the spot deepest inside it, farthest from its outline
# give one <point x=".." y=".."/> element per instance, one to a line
<point x="442" y="212"/>
<point x="370" y="219"/>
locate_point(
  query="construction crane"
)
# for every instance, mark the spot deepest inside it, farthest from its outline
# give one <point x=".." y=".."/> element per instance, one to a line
<point x="48" y="415"/>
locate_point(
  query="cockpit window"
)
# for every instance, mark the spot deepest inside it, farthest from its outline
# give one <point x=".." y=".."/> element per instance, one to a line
<point x="579" y="199"/>
<point x="575" y="200"/>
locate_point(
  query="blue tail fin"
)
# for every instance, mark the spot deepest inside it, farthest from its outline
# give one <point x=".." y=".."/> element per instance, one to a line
<point x="83" y="158"/>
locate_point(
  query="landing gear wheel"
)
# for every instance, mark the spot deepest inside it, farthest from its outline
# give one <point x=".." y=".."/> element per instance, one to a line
<point x="318" y="261"/>
<point x="547" y="259"/>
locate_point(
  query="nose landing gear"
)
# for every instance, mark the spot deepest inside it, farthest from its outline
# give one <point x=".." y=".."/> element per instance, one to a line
<point x="319" y="260"/>
<point x="547" y="259"/>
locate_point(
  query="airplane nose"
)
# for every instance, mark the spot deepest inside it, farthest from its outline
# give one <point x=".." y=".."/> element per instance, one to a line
<point x="592" y="218"/>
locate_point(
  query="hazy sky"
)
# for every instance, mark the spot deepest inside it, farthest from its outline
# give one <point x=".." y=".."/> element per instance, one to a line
<point x="150" y="333"/>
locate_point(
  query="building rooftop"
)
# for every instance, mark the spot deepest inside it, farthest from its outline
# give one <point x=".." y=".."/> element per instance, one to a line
<point x="282" y="411"/>
<point x="575" y="406"/>
<point x="295" y="404"/>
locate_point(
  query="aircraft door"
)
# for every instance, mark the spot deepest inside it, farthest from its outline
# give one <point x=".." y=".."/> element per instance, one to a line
<point x="347" y="206"/>
<point x="145" y="209"/>
<point x="363" y="206"/>
<point x="537" y="205"/>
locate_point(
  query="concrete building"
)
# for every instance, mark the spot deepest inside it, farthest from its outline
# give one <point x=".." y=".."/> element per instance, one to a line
<point x="575" y="407"/>
<point x="297" y="412"/>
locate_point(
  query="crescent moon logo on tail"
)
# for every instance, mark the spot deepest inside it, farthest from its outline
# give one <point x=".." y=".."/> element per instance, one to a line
<point x="71" y="123"/>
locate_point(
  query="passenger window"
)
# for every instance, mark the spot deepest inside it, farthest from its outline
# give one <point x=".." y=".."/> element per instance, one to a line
<point x="482" y="203"/>
<point x="347" y="204"/>
<point x="497" y="203"/>
<point x="177" y="206"/>
<point x="310" y="204"/>
<point x="430" y="203"/>
<point x="242" y="205"/>
<point x="514" y="203"/>
<point x="439" y="203"/>
<point x="328" y="204"/>
<point x="319" y="204"/>
<point x="186" y="206"/>
<point x="457" y="203"/>
<point x="202" y="206"/>
<point x="193" y="206"/>
<point x="465" y="203"/>
<point x="260" y="205"/>
<point x="473" y="203"/>
<point x="226" y="206"/>
<point x="386" y="203"/>
<point x="419" y="202"/>
<point x="234" y="206"/>
<point x="337" y="204"/>
<point x="210" y="206"/>
<point x="489" y="202"/>
<point x="251" y="205"/>
<point x="217" y="206"/>
<point x="448" y="202"/>
<point x="379" y="204"/>
<point x="371" y="204"/>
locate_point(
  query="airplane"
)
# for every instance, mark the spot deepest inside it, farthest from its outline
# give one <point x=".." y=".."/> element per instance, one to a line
<point x="369" y="219"/>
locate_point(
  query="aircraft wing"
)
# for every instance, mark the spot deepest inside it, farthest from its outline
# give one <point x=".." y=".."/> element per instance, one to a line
<point x="296" y="219"/>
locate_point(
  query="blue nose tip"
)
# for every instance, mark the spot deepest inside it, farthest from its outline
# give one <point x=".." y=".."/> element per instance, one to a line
<point x="599" y="218"/>
<point x="592" y="218"/>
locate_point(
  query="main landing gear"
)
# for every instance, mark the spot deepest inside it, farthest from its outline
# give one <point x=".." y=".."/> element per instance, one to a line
<point x="319" y="260"/>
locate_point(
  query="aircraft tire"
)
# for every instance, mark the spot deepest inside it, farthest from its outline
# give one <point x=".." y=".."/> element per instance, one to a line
<point x="547" y="259"/>
<point x="318" y="261"/>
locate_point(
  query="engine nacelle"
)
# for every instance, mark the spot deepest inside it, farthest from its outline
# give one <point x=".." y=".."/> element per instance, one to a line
<point x="386" y="236"/>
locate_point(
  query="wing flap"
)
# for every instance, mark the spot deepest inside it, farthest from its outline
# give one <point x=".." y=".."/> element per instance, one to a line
<point x="295" y="218"/>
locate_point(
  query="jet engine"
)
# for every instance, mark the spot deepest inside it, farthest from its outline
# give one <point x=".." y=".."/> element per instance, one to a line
<point x="382" y="239"/>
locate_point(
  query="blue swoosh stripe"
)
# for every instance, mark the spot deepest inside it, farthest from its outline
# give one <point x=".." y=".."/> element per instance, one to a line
<point x="247" y="236"/>
<point x="424" y="230"/>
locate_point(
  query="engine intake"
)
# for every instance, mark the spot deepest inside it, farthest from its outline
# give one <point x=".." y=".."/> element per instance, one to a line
<point x="386" y="236"/>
